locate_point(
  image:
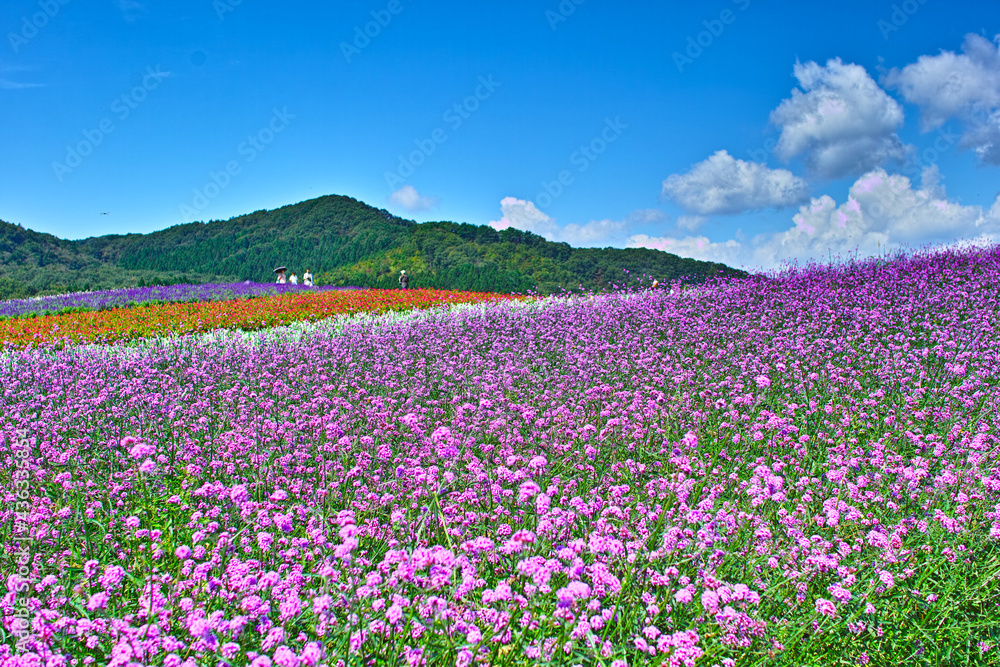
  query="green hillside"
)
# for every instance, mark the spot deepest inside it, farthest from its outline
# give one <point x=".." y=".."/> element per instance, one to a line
<point x="342" y="240"/>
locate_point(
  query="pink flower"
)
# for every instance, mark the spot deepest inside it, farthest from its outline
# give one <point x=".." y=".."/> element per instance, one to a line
<point x="97" y="601"/>
<point x="537" y="462"/>
<point x="886" y="578"/>
<point x="182" y="552"/>
<point x="140" y="450"/>
<point x="685" y="595"/>
<point x="113" y="575"/>
<point x="877" y="539"/>
<point x="527" y="490"/>
<point x="393" y="614"/>
<point x="710" y="601"/>
<point x="762" y="381"/>
<point x="285" y="657"/>
<point x="283" y="522"/>
<point x="840" y="593"/>
<point x="826" y="607"/>
<point x="311" y="654"/>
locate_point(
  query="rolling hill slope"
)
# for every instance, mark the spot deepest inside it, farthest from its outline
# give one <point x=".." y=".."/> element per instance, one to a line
<point x="342" y="240"/>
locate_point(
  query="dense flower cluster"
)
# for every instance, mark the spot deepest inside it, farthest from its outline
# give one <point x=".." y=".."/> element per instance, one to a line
<point x="793" y="470"/>
<point x="134" y="296"/>
<point x="184" y="317"/>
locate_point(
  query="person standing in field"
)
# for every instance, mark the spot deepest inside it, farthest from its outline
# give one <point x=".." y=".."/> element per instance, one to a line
<point x="281" y="277"/>
<point x="404" y="280"/>
<point x="293" y="279"/>
<point x="307" y="278"/>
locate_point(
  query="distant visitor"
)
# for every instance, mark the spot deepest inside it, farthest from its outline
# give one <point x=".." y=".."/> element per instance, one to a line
<point x="404" y="280"/>
<point x="281" y="274"/>
<point x="307" y="278"/>
<point x="294" y="279"/>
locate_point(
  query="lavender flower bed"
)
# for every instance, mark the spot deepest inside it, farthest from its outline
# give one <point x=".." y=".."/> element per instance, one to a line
<point x="803" y="470"/>
<point x="133" y="296"/>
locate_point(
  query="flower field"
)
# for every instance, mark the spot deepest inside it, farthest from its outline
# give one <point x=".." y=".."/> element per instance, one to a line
<point x="134" y="296"/>
<point x="800" y="470"/>
<point x="185" y="317"/>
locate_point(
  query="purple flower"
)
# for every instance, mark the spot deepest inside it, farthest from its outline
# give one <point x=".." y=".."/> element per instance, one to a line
<point x="97" y="601"/>
<point x="239" y="494"/>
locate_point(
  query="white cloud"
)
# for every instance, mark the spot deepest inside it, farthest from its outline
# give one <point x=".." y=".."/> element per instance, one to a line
<point x="696" y="247"/>
<point x="724" y="184"/>
<point x="524" y="215"/>
<point x="930" y="181"/>
<point x="964" y="86"/>
<point x="409" y="199"/>
<point x="7" y="84"/>
<point x="882" y="212"/>
<point x="691" y="222"/>
<point x="840" y="121"/>
<point x="596" y="233"/>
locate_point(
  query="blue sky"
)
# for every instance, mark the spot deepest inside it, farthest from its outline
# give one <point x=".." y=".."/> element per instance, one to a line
<point x="741" y="131"/>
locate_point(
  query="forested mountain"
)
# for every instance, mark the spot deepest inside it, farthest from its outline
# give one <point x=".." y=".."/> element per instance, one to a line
<point x="343" y="241"/>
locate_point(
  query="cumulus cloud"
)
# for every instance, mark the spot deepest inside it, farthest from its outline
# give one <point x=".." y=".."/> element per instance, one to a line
<point x="524" y="215"/>
<point x="839" y="120"/>
<point x="409" y="199"/>
<point x="723" y="184"/>
<point x="696" y="247"/>
<point x="963" y="85"/>
<point x="691" y="222"/>
<point x="882" y="212"/>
